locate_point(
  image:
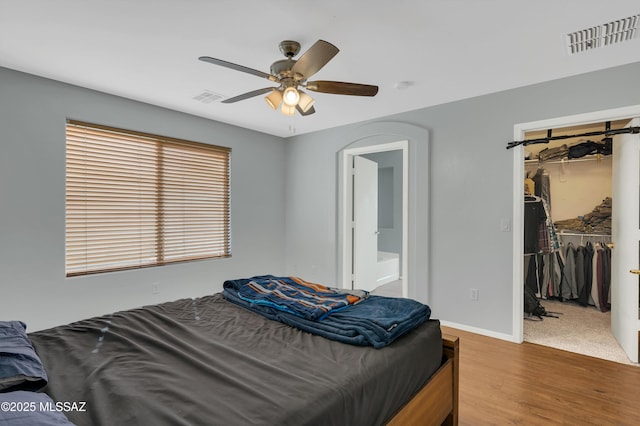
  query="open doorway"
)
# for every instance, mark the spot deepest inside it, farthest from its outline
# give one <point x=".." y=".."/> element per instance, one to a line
<point x="578" y="200"/>
<point x="375" y="212"/>
<point x="579" y="205"/>
<point x="387" y="215"/>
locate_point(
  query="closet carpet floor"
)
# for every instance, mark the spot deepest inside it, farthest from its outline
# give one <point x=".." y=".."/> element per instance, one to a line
<point x="583" y="330"/>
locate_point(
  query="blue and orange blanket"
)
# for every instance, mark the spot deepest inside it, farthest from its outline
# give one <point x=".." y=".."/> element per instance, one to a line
<point x="350" y="317"/>
<point x="294" y="295"/>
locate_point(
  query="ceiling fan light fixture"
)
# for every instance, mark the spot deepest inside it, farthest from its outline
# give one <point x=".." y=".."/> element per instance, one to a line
<point x="290" y="74"/>
<point x="274" y="99"/>
<point x="305" y="101"/>
<point x="291" y="96"/>
<point x="288" y="109"/>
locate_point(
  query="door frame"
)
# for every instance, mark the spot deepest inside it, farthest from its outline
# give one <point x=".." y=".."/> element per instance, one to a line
<point x="345" y="222"/>
<point x="519" y="131"/>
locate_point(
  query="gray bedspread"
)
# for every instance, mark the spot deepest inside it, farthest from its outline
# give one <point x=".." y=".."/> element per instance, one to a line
<point x="206" y="361"/>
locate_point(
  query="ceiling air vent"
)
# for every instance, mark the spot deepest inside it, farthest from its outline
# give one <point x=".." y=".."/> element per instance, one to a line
<point x="207" y="97"/>
<point x="603" y="35"/>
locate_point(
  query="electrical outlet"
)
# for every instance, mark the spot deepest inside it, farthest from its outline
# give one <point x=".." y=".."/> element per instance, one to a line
<point x="474" y="293"/>
<point x="155" y="288"/>
<point x="505" y="225"/>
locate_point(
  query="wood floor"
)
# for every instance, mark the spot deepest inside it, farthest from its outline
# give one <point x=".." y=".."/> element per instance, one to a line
<point x="503" y="383"/>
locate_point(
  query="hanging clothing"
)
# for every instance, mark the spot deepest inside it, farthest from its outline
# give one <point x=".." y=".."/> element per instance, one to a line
<point x="546" y="288"/>
<point x="543" y="186"/>
<point x="550" y="229"/>
<point x="540" y="235"/>
<point x="584" y="296"/>
<point x="544" y="274"/>
<point x="604" y="277"/>
<point x="529" y="186"/>
<point x="531" y="278"/>
<point x="596" y="281"/>
<point x="581" y="274"/>
<point x="570" y="271"/>
<point x="534" y="217"/>
<point x="555" y="283"/>
<point x="580" y="255"/>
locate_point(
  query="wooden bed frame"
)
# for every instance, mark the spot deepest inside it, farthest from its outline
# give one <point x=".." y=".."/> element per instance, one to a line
<point x="437" y="402"/>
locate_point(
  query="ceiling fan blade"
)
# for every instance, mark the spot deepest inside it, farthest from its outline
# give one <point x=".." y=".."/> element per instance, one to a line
<point x="315" y="58"/>
<point x="249" y="95"/>
<point x="310" y="111"/>
<point x="341" y="88"/>
<point x="238" y="67"/>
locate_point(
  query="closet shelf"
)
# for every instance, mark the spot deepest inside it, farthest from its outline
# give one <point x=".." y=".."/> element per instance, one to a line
<point x="566" y="160"/>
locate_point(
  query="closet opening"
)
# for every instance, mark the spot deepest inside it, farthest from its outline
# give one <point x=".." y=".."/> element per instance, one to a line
<point x="566" y="205"/>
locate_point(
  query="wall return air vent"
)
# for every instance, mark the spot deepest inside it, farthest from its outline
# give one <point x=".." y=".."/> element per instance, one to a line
<point x="603" y="35"/>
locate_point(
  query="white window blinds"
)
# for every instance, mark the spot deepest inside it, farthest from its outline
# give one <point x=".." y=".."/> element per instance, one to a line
<point x="135" y="200"/>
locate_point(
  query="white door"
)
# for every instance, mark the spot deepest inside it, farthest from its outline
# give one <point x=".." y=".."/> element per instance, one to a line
<point x="365" y="223"/>
<point x="626" y="238"/>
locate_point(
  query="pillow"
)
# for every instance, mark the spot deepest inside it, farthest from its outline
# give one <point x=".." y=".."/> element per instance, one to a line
<point x="20" y="367"/>
<point x="22" y="408"/>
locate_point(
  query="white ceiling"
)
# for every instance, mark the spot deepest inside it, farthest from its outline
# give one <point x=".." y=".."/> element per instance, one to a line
<point x="448" y="50"/>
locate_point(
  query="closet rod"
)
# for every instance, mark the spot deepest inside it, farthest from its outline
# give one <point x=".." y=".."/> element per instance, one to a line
<point x="553" y="138"/>
<point x="577" y="234"/>
<point x="565" y="160"/>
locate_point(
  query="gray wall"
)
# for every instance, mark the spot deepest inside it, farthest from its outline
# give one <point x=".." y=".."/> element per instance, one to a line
<point x="460" y="184"/>
<point x="32" y="192"/>
<point x="470" y="188"/>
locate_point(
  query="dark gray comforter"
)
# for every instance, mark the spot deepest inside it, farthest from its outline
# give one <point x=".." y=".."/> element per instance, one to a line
<point x="209" y="362"/>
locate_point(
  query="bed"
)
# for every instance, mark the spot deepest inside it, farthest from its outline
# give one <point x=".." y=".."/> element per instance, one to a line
<point x="207" y="361"/>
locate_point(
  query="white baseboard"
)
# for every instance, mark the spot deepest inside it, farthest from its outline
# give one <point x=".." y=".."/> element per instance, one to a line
<point x="481" y="331"/>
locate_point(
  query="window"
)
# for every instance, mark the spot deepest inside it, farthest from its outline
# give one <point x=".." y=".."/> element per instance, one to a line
<point x="135" y="200"/>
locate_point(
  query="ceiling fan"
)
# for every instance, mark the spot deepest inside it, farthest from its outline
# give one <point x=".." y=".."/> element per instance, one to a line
<point x="291" y="75"/>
